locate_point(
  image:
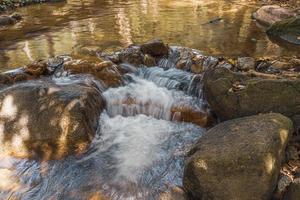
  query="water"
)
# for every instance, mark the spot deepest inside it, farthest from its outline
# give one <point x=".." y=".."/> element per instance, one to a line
<point x="138" y="151"/>
<point x="54" y="29"/>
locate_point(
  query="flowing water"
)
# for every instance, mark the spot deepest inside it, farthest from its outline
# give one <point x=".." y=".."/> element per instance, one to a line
<point x="140" y="147"/>
<point x="54" y="29"/>
<point x="138" y="151"/>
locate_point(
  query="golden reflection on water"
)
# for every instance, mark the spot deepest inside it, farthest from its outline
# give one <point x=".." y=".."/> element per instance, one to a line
<point x="53" y="29"/>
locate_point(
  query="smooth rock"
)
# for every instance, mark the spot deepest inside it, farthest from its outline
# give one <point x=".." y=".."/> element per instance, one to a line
<point x="270" y="14"/>
<point x="238" y="159"/>
<point x="45" y="120"/>
<point x="155" y="48"/>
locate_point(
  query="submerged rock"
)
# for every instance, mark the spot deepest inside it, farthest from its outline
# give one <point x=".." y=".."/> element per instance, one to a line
<point x="270" y="14"/>
<point x="240" y="158"/>
<point x="46" y="120"/>
<point x="9" y="20"/>
<point x="232" y="95"/>
<point x="287" y="30"/>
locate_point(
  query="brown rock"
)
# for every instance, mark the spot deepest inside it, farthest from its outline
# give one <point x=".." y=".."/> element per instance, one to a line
<point x="188" y="113"/>
<point x="105" y="71"/>
<point x="37" y="68"/>
<point x="270" y="14"/>
<point x="155" y="48"/>
<point x="47" y="121"/>
<point x="281" y="65"/>
<point x="149" y="60"/>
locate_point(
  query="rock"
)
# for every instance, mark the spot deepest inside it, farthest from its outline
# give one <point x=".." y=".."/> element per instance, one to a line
<point x="197" y="66"/>
<point x="149" y="61"/>
<point x="287" y="30"/>
<point x="293" y="192"/>
<point x="281" y="65"/>
<point x="238" y="159"/>
<point x="9" y="20"/>
<point x="105" y="71"/>
<point x="295" y="63"/>
<point x="232" y="95"/>
<point x="246" y="63"/>
<point x="155" y="48"/>
<point x="131" y="55"/>
<point x="176" y="193"/>
<point x="270" y="14"/>
<point x="191" y="114"/>
<point x="37" y="68"/>
<point x="44" y="120"/>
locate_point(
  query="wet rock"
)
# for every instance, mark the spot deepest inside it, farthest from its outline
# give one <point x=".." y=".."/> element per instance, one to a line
<point x="238" y="158"/>
<point x="191" y="114"/>
<point x="256" y="94"/>
<point x="149" y="60"/>
<point x="45" y="120"/>
<point x="176" y="193"/>
<point x="197" y="66"/>
<point x="155" y="48"/>
<point x="295" y="63"/>
<point x="131" y="55"/>
<point x="287" y="30"/>
<point x="105" y="71"/>
<point x="293" y="192"/>
<point x="270" y="14"/>
<point x="37" y="68"/>
<point x="246" y="63"/>
<point x="9" y="20"/>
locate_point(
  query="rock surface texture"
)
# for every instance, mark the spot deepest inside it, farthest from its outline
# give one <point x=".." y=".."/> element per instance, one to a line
<point x="238" y="159"/>
<point x="48" y="121"/>
<point x="233" y="95"/>
<point x="270" y="14"/>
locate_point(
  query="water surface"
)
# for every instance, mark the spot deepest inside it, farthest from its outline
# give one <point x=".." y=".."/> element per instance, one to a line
<point x="52" y="29"/>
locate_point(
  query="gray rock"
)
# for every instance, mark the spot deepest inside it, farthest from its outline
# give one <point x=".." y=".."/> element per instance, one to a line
<point x="238" y="159"/>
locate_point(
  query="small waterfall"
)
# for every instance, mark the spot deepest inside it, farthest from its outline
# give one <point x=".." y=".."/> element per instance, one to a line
<point x="140" y="97"/>
<point x="145" y="97"/>
<point x="172" y="79"/>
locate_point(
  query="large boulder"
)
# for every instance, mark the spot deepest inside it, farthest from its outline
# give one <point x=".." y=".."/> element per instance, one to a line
<point x="287" y="30"/>
<point x="232" y="94"/>
<point x="270" y="14"/>
<point x="238" y="159"/>
<point x="45" y="120"/>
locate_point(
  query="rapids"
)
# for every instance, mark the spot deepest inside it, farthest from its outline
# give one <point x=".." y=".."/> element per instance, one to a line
<point x="137" y="153"/>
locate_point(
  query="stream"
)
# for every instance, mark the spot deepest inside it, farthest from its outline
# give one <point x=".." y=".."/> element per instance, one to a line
<point x="137" y="153"/>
